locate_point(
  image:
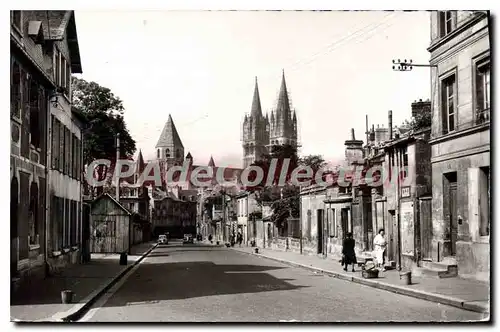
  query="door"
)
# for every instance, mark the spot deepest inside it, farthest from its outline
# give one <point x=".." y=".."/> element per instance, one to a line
<point x="453" y="218"/>
<point x="320" y="231"/>
<point x="426" y="228"/>
<point x="344" y="219"/>
<point x="14" y="198"/>
<point x="391" y="236"/>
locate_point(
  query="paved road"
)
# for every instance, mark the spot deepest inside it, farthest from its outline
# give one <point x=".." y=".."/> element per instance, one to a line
<point x="195" y="283"/>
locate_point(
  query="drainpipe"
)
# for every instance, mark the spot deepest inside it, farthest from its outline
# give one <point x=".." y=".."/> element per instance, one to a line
<point x="48" y="201"/>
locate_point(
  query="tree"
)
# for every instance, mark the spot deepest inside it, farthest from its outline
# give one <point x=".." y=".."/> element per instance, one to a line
<point x="421" y="121"/>
<point x="103" y="112"/>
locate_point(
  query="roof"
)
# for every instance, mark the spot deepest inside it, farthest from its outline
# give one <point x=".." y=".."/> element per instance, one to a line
<point x="211" y="162"/>
<point x="106" y="195"/>
<point x="256" y="110"/>
<point x="169" y="136"/>
<point x="59" y="23"/>
<point x="283" y="105"/>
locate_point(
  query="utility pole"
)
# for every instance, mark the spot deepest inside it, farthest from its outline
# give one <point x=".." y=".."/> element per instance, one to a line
<point x="300" y="219"/>
<point x="116" y="168"/>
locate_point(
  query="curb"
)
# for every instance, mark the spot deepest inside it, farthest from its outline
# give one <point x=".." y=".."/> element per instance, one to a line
<point x="78" y="310"/>
<point x="423" y="295"/>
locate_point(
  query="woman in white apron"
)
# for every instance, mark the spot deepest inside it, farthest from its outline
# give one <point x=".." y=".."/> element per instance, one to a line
<point x="380" y="244"/>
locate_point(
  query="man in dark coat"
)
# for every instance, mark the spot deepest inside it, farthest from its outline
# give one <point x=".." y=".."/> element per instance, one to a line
<point x="348" y="253"/>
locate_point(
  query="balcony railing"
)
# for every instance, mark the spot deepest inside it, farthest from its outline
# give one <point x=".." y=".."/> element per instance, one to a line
<point x="482" y="116"/>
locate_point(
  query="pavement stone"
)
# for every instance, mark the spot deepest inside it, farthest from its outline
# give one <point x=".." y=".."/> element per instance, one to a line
<point x="41" y="301"/>
<point x="462" y="293"/>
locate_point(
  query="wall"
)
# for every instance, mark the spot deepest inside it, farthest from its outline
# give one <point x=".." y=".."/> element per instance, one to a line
<point x="463" y="151"/>
<point x="312" y="202"/>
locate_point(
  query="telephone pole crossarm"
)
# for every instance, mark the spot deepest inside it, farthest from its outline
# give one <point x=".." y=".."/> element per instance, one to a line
<point x="407" y="65"/>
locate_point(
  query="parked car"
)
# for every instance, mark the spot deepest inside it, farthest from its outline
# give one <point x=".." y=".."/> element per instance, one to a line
<point x="162" y="239"/>
<point x="188" y="238"/>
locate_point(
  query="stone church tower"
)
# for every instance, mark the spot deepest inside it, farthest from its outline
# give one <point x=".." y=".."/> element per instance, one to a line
<point x="169" y="147"/>
<point x="260" y="133"/>
<point x="255" y="132"/>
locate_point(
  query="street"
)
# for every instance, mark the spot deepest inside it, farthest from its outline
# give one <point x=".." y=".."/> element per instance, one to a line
<point x="201" y="283"/>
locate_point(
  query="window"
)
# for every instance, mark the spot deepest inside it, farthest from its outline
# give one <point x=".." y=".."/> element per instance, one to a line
<point x="16" y="19"/>
<point x="73" y="156"/>
<point x="405" y="162"/>
<point x="177" y="153"/>
<point x="73" y="223"/>
<point x="158" y="154"/>
<point x="132" y="192"/>
<point x="34" y="113"/>
<point x="68" y="79"/>
<point x="57" y="67"/>
<point x="484" y="201"/>
<point x="167" y="153"/>
<point x="448" y="104"/>
<point x="55" y="143"/>
<point x="61" y="147"/>
<point x="15" y="90"/>
<point x="67" y="150"/>
<point x="483" y="91"/>
<point x="33" y="215"/>
<point x="446" y="23"/>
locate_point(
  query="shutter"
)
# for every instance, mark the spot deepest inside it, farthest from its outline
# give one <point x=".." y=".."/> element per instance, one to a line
<point x="474" y="207"/>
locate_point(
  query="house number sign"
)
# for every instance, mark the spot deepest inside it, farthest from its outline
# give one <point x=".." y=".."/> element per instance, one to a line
<point x="405" y="192"/>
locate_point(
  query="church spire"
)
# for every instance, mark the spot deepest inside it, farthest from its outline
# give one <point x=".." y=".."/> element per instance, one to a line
<point x="169" y="136"/>
<point x="256" y="108"/>
<point x="211" y="163"/>
<point x="283" y="106"/>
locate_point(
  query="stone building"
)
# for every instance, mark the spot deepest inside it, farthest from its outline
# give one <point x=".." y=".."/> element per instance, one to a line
<point x="46" y="146"/>
<point x="460" y="52"/>
<point x="259" y="133"/>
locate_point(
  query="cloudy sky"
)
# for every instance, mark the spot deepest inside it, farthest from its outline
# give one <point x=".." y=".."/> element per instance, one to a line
<point x="200" y="67"/>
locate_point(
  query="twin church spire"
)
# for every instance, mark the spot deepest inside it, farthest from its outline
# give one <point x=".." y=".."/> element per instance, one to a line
<point x="259" y="133"/>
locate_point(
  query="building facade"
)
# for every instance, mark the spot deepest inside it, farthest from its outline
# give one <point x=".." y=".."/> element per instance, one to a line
<point x="260" y="133"/>
<point x="44" y="54"/>
<point x="460" y="140"/>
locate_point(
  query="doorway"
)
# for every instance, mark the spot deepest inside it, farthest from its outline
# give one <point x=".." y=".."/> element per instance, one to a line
<point x="344" y="220"/>
<point x="451" y="209"/>
<point x="14" y="198"/>
<point x="320" y="231"/>
<point x="391" y="235"/>
<point x="453" y="218"/>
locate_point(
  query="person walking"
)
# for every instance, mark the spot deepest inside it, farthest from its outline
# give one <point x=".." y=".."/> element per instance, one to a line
<point x="380" y="244"/>
<point x="348" y="253"/>
<point x="240" y="239"/>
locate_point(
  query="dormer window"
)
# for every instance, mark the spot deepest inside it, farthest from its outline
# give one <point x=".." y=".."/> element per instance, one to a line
<point x="167" y="153"/>
<point x="158" y="154"/>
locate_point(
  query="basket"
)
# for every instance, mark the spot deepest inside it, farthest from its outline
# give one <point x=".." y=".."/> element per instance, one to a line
<point x="369" y="274"/>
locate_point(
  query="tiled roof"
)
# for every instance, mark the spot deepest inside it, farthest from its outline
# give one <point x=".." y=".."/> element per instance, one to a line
<point x="169" y="136"/>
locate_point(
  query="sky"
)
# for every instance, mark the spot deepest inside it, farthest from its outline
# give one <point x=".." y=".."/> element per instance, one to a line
<point x="200" y="67"/>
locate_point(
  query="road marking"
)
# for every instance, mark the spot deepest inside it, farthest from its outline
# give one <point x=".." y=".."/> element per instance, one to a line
<point x="105" y="298"/>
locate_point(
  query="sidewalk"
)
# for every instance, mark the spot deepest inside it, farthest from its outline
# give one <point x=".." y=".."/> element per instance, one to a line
<point x="466" y="294"/>
<point x="41" y="301"/>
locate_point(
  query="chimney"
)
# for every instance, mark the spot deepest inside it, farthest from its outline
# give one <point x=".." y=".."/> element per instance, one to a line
<point x="352" y="134"/>
<point x="367" y="132"/>
<point x="390" y="125"/>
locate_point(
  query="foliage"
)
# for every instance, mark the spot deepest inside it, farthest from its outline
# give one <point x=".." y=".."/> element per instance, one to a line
<point x="103" y="112"/>
<point x="316" y="162"/>
<point x="421" y="121"/>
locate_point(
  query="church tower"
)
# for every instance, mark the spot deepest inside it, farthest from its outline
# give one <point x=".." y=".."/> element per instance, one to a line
<point x="283" y="120"/>
<point x="169" y="147"/>
<point x="255" y="134"/>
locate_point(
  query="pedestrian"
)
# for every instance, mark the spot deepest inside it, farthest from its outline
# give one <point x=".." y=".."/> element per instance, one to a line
<point x="210" y="238"/>
<point x="348" y="253"/>
<point x="380" y="244"/>
<point x="240" y="239"/>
